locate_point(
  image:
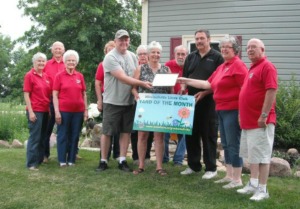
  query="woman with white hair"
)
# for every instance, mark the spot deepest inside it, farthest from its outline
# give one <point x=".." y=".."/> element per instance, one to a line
<point x="70" y="105"/>
<point x="147" y="72"/>
<point x="37" y="93"/>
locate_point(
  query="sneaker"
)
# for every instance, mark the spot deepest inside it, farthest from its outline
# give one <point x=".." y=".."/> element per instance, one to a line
<point x="248" y="189"/>
<point x="233" y="184"/>
<point x="124" y="167"/>
<point x="102" y="166"/>
<point x="209" y="174"/>
<point x="33" y="168"/>
<point x="260" y="194"/>
<point x="71" y="164"/>
<point x="187" y="171"/>
<point x="223" y="180"/>
<point x="62" y="165"/>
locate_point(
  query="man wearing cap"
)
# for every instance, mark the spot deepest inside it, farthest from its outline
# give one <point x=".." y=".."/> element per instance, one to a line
<point x="118" y="102"/>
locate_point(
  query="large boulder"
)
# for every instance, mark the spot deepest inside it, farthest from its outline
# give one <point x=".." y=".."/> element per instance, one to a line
<point x="96" y="135"/>
<point x="293" y="153"/>
<point x="17" y="144"/>
<point x="4" y="144"/>
<point x="280" y="167"/>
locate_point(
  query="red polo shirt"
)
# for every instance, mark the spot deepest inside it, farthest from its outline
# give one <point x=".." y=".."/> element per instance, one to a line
<point x="70" y="91"/>
<point x="52" y="68"/>
<point x="100" y="75"/>
<point x="226" y="83"/>
<point x="175" y="68"/>
<point x="39" y="89"/>
<point x="261" y="77"/>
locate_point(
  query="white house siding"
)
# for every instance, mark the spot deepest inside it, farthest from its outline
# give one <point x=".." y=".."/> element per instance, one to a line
<point x="276" y="22"/>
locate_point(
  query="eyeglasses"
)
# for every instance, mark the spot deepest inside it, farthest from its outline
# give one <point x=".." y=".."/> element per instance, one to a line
<point x="226" y="47"/>
<point x="140" y="54"/>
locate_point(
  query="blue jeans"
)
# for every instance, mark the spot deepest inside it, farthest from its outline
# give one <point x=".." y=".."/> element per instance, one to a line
<point x="179" y="152"/>
<point x="68" y="136"/>
<point x="50" y="126"/>
<point x="230" y="136"/>
<point x="35" y="144"/>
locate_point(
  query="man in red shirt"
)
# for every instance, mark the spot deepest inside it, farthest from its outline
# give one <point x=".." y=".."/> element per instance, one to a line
<point x="257" y="119"/>
<point x="53" y="66"/>
<point x="176" y="66"/>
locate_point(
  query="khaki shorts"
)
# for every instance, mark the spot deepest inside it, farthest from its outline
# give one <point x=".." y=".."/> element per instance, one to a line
<point x="257" y="144"/>
<point x="117" y="119"/>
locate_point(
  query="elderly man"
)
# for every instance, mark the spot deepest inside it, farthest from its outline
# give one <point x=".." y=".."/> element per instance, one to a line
<point x="200" y="64"/>
<point x="176" y="66"/>
<point x="118" y="102"/>
<point x="258" y="118"/>
<point x="53" y="66"/>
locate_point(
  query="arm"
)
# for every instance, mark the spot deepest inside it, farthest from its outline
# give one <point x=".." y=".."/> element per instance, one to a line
<point x="134" y="90"/>
<point x="56" y="107"/>
<point x="32" y="116"/>
<point x="201" y="84"/>
<point x="120" y="75"/>
<point x="85" y="106"/>
<point x="98" y="85"/>
<point x="269" y="100"/>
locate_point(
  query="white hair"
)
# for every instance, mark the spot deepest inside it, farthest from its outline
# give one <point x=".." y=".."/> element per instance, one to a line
<point x="39" y="55"/>
<point x="70" y="53"/>
<point x="141" y="47"/>
<point x="154" y="45"/>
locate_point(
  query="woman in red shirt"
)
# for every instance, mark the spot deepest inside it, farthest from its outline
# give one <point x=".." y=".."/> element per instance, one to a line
<point x="70" y="105"/>
<point x="226" y="83"/>
<point x="37" y="92"/>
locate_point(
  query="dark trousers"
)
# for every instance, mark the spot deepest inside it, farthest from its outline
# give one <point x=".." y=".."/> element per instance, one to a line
<point x="134" y="141"/>
<point x="205" y="128"/>
<point x="114" y="147"/>
<point x="50" y="126"/>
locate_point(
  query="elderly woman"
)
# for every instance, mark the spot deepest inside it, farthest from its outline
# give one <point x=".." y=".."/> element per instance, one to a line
<point x="147" y="72"/>
<point x="226" y="83"/>
<point x="142" y="56"/>
<point x="37" y="93"/>
<point x="70" y="105"/>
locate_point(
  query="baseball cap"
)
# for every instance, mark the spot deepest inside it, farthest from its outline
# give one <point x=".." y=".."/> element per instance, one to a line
<point x="121" y="33"/>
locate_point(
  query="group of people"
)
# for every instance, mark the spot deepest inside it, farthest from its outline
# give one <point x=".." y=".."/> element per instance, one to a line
<point x="54" y="92"/>
<point x="238" y="102"/>
<point x="245" y="106"/>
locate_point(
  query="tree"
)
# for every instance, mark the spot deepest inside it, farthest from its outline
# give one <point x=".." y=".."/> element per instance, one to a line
<point x="84" y="26"/>
<point x="6" y="47"/>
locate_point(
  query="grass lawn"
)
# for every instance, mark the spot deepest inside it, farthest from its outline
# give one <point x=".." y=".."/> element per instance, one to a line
<point x="82" y="187"/>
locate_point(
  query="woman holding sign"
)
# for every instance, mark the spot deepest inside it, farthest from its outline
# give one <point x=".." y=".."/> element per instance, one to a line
<point x="147" y="72"/>
<point x="226" y="83"/>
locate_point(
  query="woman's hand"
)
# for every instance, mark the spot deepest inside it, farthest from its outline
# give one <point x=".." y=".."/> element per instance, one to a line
<point x="57" y="118"/>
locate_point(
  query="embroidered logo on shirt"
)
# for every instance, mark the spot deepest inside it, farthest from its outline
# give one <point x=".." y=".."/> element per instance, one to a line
<point x="250" y="75"/>
<point x="78" y="81"/>
<point x="208" y="59"/>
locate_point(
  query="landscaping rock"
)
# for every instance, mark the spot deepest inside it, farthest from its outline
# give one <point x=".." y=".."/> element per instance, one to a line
<point x="297" y="174"/>
<point x="293" y="152"/>
<point x="279" y="167"/>
<point x="53" y="140"/>
<point x="96" y="135"/>
<point x="4" y="144"/>
<point x="17" y="144"/>
<point x="86" y="143"/>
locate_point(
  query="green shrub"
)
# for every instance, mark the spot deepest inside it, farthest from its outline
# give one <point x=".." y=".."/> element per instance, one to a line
<point x="287" y="132"/>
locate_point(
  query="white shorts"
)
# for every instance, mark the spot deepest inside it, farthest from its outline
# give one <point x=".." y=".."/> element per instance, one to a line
<point x="257" y="144"/>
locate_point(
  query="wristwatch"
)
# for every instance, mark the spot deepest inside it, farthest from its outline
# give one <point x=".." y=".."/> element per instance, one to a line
<point x="264" y="115"/>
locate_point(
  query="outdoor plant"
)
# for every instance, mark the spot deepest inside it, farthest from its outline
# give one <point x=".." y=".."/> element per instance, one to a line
<point x="287" y="132"/>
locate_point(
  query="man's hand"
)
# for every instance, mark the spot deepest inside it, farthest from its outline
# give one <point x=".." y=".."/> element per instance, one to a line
<point x="99" y="106"/>
<point x="147" y="84"/>
<point x="262" y="122"/>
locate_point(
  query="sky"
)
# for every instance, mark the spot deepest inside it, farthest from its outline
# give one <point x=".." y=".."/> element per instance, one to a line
<point x="12" y="22"/>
